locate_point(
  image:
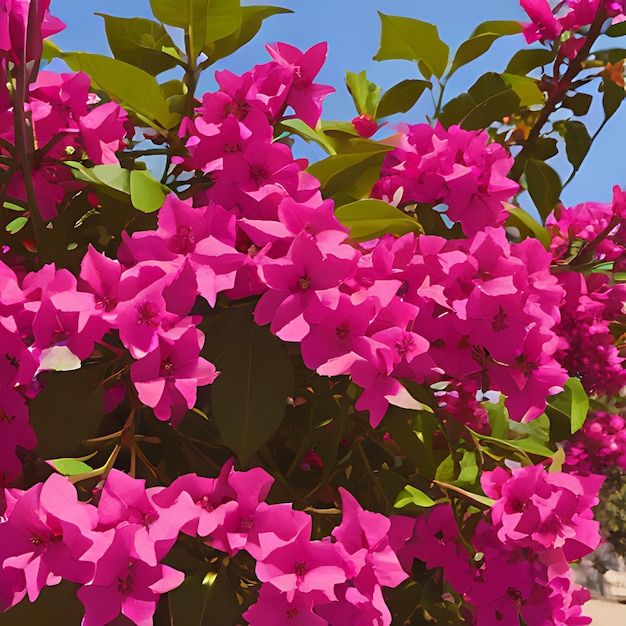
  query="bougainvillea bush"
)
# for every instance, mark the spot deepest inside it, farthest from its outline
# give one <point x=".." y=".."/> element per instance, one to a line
<point x="241" y="388"/>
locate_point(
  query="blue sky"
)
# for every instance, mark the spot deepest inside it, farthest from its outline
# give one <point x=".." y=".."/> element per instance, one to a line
<point x="352" y="30"/>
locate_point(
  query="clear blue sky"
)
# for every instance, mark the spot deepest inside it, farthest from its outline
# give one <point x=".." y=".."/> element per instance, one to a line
<point x="352" y="30"/>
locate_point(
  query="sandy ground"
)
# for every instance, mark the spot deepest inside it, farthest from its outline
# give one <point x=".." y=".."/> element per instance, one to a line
<point x="604" y="613"/>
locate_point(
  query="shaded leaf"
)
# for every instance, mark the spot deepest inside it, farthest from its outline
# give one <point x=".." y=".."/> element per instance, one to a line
<point x="401" y="97"/>
<point x="544" y="186"/>
<point x="249" y="397"/>
<point x="368" y="219"/>
<point x="612" y="97"/>
<point x="577" y="140"/>
<point x="488" y="100"/>
<point x="413" y="40"/>
<point x="481" y="40"/>
<point x="579" y="103"/>
<point x="140" y="42"/>
<point x="616" y="30"/>
<point x="364" y="92"/>
<point x="130" y="86"/>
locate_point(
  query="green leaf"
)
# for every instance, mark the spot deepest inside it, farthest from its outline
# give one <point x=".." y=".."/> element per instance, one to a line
<point x="469" y="469"/>
<point x="71" y="467"/>
<point x="364" y="92"/>
<point x="481" y="40"/>
<point x="368" y="219"/>
<point x="403" y="429"/>
<point x="577" y="140"/>
<point x="488" y="100"/>
<point x="146" y="193"/>
<point x="612" y="97"/>
<point x="140" y="42"/>
<point x="519" y="217"/>
<point x="544" y="186"/>
<point x="132" y="87"/>
<point x="349" y="177"/>
<point x="249" y="397"/>
<point x="533" y="447"/>
<point x="307" y="133"/>
<point x="413" y="40"/>
<point x="411" y="495"/>
<point x="572" y="402"/>
<point x="523" y="61"/>
<point x="526" y="88"/>
<point x="251" y="20"/>
<point x="578" y="104"/>
<point x="205" y="21"/>
<point x="446" y="470"/>
<point x="401" y="97"/>
<point x="616" y="30"/>
<point x="14" y="226"/>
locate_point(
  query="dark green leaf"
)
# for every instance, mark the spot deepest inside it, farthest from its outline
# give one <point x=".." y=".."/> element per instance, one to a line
<point x="579" y="103"/>
<point x="141" y="42"/>
<point x="612" y="97"/>
<point x="249" y="397"/>
<point x="544" y="186"/>
<point x="133" y="88"/>
<point x="402" y="426"/>
<point x="616" y="30"/>
<point x="523" y="61"/>
<point x="67" y="410"/>
<point x="481" y="40"/>
<point x="488" y="100"/>
<point x="368" y="219"/>
<point x="613" y="55"/>
<point x="205" y="21"/>
<point x="364" y="92"/>
<point x="56" y="606"/>
<point x="401" y="97"/>
<point x="413" y="40"/>
<point x="251" y="20"/>
<point x="577" y="140"/>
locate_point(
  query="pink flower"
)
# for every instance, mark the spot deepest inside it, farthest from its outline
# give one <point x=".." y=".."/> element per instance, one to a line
<point x="167" y="378"/>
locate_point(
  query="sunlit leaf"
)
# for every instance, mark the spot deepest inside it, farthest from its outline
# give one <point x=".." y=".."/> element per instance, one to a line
<point x="413" y="40"/>
<point x="368" y="219"/>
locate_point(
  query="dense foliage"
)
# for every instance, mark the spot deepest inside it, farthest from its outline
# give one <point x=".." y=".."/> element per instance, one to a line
<point x="363" y="391"/>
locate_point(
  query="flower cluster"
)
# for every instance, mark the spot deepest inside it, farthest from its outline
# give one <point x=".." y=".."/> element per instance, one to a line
<point x="599" y="446"/>
<point x="573" y="15"/>
<point x="68" y="124"/>
<point x="454" y="167"/>
<point x="591" y="305"/>
<point x="114" y="549"/>
<point x="538" y="522"/>
<point x="593" y="229"/>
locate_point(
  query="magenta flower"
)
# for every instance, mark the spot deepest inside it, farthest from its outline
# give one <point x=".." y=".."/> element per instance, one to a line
<point x="304" y="97"/>
<point x="167" y="378"/>
<point x="125" y="584"/>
